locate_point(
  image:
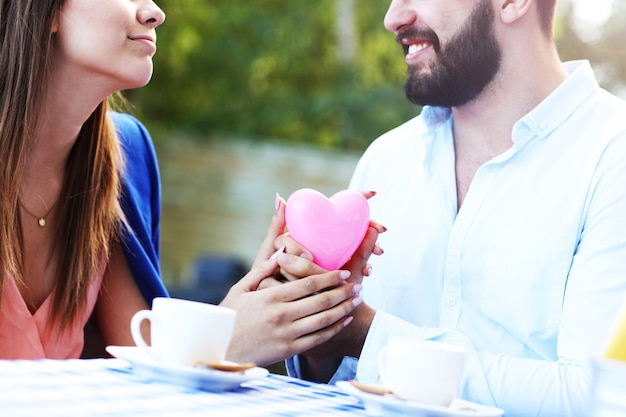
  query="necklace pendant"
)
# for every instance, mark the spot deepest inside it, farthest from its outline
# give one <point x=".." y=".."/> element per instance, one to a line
<point x="41" y="221"/>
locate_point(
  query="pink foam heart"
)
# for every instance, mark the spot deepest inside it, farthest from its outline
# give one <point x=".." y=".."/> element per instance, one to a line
<point x="332" y="229"/>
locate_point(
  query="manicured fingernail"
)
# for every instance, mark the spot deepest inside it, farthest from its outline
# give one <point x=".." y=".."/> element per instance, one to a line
<point x="347" y="321"/>
<point x="307" y="256"/>
<point x="368" y="270"/>
<point x="344" y="274"/>
<point x="356" y="290"/>
<point x="278" y="252"/>
<point x="378" y="250"/>
<point x="356" y="301"/>
<point x="277" y="203"/>
<point x="284" y="258"/>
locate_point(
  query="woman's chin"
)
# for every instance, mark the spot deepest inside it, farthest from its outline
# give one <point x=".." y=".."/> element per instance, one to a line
<point x="137" y="82"/>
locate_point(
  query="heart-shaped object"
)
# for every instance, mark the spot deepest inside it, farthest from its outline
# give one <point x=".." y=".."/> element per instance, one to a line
<point x="330" y="228"/>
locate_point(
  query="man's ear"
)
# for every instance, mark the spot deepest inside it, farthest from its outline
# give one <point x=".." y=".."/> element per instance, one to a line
<point x="512" y="10"/>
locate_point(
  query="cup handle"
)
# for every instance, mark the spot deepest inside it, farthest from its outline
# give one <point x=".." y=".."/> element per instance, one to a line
<point x="135" y="329"/>
<point x="382" y="362"/>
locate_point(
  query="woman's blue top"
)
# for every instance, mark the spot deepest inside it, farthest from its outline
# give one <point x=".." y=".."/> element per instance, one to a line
<point x="141" y="203"/>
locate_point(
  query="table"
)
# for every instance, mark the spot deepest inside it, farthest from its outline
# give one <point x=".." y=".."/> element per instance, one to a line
<point x="108" y="387"/>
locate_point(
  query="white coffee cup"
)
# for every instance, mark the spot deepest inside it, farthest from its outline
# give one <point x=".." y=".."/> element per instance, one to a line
<point x="185" y="332"/>
<point x="420" y="370"/>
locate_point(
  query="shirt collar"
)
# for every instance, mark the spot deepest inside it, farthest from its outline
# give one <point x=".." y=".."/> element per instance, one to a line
<point x="434" y="117"/>
<point x="563" y="101"/>
<point x="551" y="112"/>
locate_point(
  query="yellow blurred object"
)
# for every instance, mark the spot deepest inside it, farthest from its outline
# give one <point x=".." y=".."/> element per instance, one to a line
<point x="616" y="348"/>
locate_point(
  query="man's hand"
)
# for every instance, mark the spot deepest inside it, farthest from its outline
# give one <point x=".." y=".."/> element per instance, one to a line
<point x="279" y="322"/>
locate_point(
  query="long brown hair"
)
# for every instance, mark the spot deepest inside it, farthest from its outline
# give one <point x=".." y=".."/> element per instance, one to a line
<point x="88" y="204"/>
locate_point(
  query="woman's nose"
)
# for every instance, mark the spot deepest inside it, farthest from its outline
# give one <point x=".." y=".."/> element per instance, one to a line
<point x="150" y="14"/>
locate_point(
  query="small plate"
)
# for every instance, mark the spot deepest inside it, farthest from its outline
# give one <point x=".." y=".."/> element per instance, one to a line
<point x="383" y="405"/>
<point x="200" y="378"/>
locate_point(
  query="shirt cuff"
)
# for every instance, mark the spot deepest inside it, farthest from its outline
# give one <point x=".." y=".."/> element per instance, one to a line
<point x="383" y="327"/>
<point x="345" y="372"/>
<point x="365" y="370"/>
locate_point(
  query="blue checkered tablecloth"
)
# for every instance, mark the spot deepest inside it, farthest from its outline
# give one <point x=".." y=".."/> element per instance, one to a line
<point x="108" y="387"/>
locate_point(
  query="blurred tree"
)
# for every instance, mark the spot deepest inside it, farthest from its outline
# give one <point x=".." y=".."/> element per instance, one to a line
<point x="322" y="71"/>
<point x="604" y="47"/>
<point x="271" y="69"/>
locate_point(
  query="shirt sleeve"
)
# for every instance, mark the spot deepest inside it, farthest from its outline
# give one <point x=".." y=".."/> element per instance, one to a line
<point x="141" y="204"/>
<point x="550" y="372"/>
<point x="525" y="386"/>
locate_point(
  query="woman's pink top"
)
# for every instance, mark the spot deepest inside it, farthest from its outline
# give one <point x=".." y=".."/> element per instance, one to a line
<point x="24" y="335"/>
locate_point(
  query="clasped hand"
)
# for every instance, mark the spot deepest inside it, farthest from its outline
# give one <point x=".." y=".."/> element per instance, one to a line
<point x="286" y="304"/>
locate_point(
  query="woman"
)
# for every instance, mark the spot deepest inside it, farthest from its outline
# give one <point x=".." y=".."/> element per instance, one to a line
<point x="62" y="167"/>
<point x="80" y="202"/>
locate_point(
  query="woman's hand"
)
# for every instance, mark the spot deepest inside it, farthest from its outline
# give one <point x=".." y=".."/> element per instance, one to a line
<point x="284" y="320"/>
<point x="357" y="264"/>
<point x="279" y="322"/>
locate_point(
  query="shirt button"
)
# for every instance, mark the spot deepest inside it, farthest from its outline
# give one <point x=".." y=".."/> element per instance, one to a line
<point x="451" y="301"/>
<point x="543" y="125"/>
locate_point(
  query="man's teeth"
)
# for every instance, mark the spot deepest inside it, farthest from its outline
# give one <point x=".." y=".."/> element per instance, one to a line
<point x="416" y="47"/>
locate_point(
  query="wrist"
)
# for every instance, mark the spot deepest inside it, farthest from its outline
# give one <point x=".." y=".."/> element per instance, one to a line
<point x="318" y="369"/>
<point x="357" y="331"/>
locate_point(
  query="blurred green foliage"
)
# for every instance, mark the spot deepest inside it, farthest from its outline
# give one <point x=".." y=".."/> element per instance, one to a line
<point x="603" y="46"/>
<point x="270" y="69"/>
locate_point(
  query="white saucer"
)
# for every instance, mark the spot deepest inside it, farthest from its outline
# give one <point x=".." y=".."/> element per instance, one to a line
<point x="200" y="378"/>
<point x="383" y="405"/>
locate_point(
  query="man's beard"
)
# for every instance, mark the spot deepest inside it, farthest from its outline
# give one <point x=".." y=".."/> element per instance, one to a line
<point x="463" y="67"/>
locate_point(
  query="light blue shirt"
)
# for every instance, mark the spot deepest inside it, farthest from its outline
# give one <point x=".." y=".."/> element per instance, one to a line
<point x="530" y="274"/>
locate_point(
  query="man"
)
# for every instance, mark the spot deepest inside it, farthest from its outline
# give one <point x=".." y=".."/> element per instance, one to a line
<point x="505" y="205"/>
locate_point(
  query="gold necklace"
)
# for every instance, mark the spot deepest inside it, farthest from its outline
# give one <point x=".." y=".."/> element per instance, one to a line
<point x="41" y="220"/>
